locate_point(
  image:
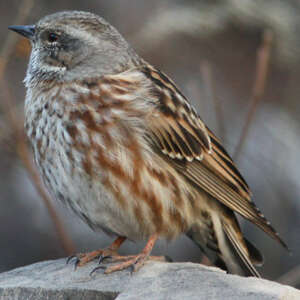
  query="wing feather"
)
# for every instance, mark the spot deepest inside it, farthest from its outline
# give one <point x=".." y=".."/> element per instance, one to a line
<point x="179" y="134"/>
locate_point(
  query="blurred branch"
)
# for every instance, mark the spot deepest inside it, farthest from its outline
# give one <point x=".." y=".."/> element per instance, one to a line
<point x="292" y="277"/>
<point x="206" y="71"/>
<point x="8" y="46"/>
<point x="16" y="123"/>
<point x="262" y="66"/>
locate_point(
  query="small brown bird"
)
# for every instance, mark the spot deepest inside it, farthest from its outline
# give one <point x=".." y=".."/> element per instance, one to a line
<point x="115" y="140"/>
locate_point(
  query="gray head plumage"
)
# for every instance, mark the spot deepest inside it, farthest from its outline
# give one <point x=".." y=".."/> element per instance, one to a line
<point x="73" y="45"/>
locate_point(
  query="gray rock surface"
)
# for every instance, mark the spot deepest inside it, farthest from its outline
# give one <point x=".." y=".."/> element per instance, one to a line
<point x="56" y="280"/>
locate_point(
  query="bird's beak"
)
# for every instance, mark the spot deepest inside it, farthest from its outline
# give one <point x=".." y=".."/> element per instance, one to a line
<point x="25" y="30"/>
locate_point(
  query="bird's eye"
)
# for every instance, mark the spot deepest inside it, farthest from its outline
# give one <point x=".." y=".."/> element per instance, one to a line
<point x="52" y="37"/>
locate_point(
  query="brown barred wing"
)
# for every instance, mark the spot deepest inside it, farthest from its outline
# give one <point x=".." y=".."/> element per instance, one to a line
<point x="176" y="128"/>
<point x="179" y="134"/>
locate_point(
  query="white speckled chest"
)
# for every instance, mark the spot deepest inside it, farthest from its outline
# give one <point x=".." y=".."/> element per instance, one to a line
<point x="61" y="165"/>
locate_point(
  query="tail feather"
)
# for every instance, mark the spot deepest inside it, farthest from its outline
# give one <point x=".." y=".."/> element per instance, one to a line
<point x="221" y="239"/>
<point x="240" y="251"/>
<point x="255" y="255"/>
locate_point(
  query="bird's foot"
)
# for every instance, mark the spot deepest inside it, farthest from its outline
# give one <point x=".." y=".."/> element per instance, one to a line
<point x="81" y="259"/>
<point x="132" y="262"/>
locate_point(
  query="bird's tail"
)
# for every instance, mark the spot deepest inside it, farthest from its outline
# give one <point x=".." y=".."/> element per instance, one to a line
<point x="222" y="241"/>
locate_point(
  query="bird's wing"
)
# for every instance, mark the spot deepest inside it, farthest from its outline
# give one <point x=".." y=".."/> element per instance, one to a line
<point x="179" y="135"/>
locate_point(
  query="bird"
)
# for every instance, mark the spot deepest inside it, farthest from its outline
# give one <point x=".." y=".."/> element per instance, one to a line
<point x="116" y="141"/>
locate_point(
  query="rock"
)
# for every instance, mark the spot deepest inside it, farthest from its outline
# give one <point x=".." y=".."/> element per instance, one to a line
<point x="157" y="280"/>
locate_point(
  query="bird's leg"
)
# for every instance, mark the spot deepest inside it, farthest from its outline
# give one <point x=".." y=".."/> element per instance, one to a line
<point x="84" y="258"/>
<point x="133" y="261"/>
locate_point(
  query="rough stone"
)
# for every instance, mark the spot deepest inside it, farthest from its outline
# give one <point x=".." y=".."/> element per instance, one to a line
<point x="56" y="280"/>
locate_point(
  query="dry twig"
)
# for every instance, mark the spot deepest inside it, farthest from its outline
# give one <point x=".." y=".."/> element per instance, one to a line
<point x="13" y="119"/>
<point x="262" y="66"/>
<point x="207" y="76"/>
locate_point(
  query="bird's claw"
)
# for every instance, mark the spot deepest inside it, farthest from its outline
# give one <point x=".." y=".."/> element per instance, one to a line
<point x="96" y="269"/>
<point x="70" y="258"/>
<point x="74" y="258"/>
<point x="76" y="263"/>
<point x="102" y="258"/>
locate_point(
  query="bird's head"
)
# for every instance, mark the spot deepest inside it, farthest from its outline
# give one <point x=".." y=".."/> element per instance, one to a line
<point x="74" y="45"/>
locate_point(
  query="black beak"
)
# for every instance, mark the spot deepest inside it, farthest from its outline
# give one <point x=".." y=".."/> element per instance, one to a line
<point x="26" y="30"/>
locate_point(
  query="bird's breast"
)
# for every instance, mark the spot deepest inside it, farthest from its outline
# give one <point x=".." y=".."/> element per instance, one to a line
<point x="105" y="171"/>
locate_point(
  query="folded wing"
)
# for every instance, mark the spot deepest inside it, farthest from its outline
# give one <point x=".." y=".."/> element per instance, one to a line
<point x="177" y="132"/>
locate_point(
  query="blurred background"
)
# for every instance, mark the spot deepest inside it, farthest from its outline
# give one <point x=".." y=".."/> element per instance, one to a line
<point x="237" y="61"/>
